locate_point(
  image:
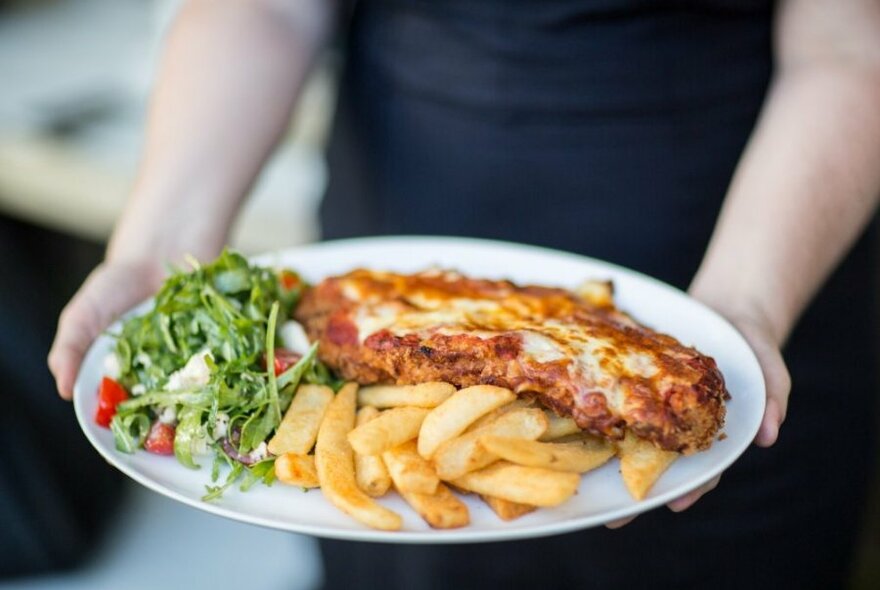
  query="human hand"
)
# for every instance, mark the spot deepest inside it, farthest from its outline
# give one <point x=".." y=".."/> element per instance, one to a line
<point x="111" y="289"/>
<point x="758" y="332"/>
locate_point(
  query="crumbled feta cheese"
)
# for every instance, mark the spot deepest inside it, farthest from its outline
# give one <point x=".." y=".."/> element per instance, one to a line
<point x="196" y="373"/>
<point x="260" y="453"/>
<point x="168" y="415"/>
<point x="221" y="424"/>
<point x="111" y="366"/>
<point x="294" y="337"/>
<point x="138" y="389"/>
<point x="143" y="359"/>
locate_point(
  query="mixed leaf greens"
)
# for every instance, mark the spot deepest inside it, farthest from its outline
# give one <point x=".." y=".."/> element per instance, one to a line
<point x="198" y="359"/>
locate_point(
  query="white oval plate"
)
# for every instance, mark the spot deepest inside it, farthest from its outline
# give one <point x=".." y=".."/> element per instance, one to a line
<point x="602" y="496"/>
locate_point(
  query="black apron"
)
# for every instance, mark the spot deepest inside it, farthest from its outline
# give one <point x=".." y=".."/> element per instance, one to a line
<point x="612" y="129"/>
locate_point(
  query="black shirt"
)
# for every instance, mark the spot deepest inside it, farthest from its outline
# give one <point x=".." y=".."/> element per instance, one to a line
<point x="609" y="128"/>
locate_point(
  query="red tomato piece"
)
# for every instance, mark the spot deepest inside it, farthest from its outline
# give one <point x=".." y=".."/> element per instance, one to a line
<point x="289" y="280"/>
<point x="160" y="440"/>
<point x="110" y="395"/>
<point x="284" y="359"/>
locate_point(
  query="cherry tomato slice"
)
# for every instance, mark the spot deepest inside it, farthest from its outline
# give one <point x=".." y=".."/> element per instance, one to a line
<point x="289" y="280"/>
<point x="110" y="395"/>
<point x="284" y="359"/>
<point x="160" y="440"/>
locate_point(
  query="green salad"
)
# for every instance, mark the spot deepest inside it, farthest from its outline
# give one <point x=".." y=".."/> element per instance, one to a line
<point x="205" y="376"/>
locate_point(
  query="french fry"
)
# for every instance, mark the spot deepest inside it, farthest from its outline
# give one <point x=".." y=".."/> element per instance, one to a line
<point x="559" y="426"/>
<point x="441" y="510"/>
<point x="580" y="437"/>
<point x="464" y="454"/>
<point x="517" y="404"/>
<point x="388" y="430"/>
<point x="409" y="471"/>
<point x="334" y="460"/>
<point x="505" y="509"/>
<point x="599" y="293"/>
<point x="642" y="464"/>
<point x="299" y="427"/>
<point x="370" y="472"/>
<point x="525" y="485"/>
<point x="450" y="418"/>
<point x="297" y="470"/>
<point x="577" y="457"/>
<point x="423" y="395"/>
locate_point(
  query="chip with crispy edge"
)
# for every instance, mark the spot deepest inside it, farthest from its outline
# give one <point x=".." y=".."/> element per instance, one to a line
<point x="559" y="426"/>
<point x="453" y="416"/>
<point x="297" y="470"/>
<point x="505" y="509"/>
<point x="409" y="471"/>
<point x="441" y="510"/>
<point x="423" y="395"/>
<point x="389" y="429"/>
<point x="299" y="427"/>
<point x="525" y="485"/>
<point x="577" y="457"/>
<point x="334" y="459"/>
<point x="642" y="464"/>
<point x="370" y="471"/>
<point x="460" y="455"/>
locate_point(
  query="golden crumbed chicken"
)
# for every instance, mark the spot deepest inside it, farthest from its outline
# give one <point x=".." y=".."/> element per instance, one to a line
<point x="576" y="352"/>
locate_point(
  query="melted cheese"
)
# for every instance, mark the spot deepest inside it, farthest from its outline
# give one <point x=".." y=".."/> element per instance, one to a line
<point x="640" y="363"/>
<point x="540" y="347"/>
<point x="403" y="305"/>
<point x="375" y="318"/>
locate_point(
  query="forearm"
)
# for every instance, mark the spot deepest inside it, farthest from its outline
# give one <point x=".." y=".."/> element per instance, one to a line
<point x="804" y="190"/>
<point x="227" y="83"/>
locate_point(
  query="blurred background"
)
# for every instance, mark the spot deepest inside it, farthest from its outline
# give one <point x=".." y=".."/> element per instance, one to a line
<point x="74" y="81"/>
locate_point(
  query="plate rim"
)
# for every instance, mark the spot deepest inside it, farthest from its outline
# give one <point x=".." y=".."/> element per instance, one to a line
<point x="462" y="535"/>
